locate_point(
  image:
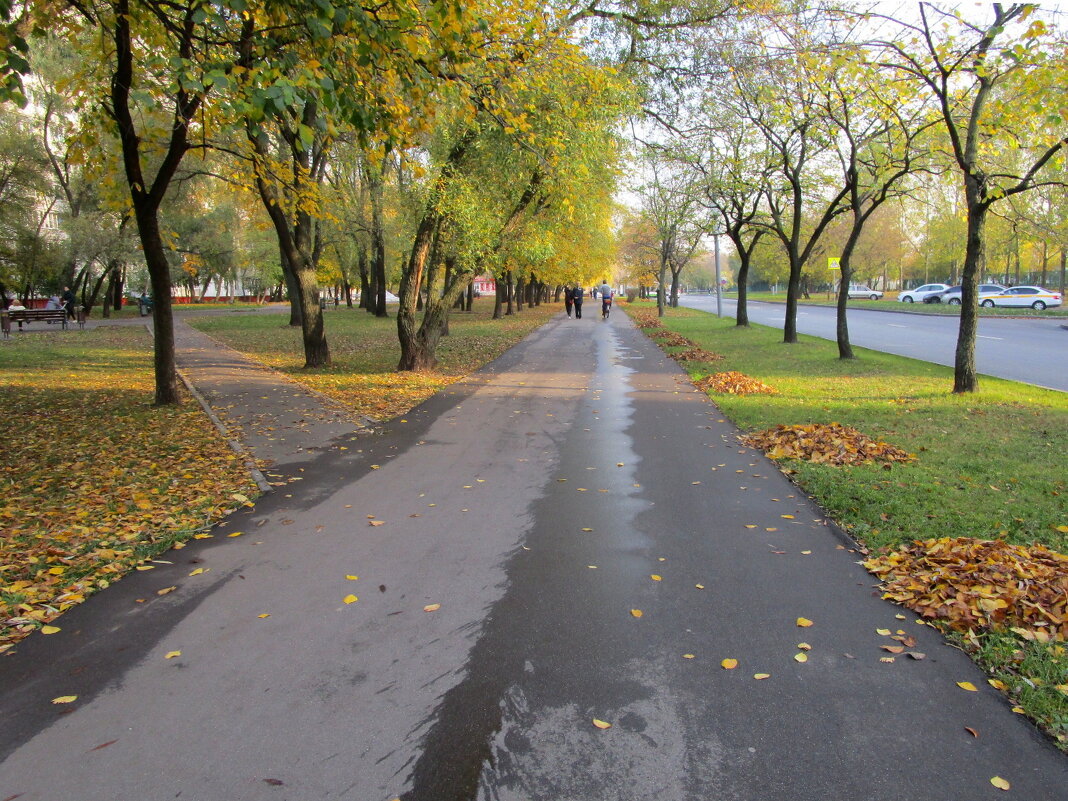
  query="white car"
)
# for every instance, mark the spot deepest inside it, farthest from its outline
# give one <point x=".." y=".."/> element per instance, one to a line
<point x="1034" y="297"/>
<point x="861" y="291"/>
<point x="920" y="293"/>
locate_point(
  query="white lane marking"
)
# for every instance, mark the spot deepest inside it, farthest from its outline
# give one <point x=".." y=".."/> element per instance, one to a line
<point x="980" y="336"/>
<point x="895" y="325"/>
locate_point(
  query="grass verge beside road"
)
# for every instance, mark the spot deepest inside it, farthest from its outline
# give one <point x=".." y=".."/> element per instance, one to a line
<point x="365" y="352"/>
<point x="93" y="480"/>
<point x="990" y="465"/>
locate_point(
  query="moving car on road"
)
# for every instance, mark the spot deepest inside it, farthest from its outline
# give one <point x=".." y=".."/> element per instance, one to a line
<point x="1034" y="297"/>
<point x="920" y="293"/>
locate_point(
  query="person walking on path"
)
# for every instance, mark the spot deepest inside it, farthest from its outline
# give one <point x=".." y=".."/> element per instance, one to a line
<point x="577" y="297"/>
<point x="569" y="300"/>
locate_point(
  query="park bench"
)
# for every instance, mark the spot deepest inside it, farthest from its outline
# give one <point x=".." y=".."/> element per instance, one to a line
<point x="20" y="316"/>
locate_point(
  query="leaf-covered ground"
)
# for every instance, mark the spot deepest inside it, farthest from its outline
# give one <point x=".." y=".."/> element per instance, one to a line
<point x="365" y="352"/>
<point x="95" y="482"/>
<point x="991" y="467"/>
<point x="93" y="479"/>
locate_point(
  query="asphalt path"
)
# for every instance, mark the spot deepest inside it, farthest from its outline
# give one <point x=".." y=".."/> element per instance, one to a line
<point x="543" y="503"/>
<point x="1034" y="351"/>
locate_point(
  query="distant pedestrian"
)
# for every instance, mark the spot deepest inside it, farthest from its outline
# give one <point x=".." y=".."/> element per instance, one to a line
<point x="577" y="298"/>
<point x="68" y="302"/>
<point x="569" y="300"/>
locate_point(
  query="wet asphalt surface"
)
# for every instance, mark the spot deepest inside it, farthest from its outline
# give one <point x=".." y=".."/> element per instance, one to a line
<point x="535" y="503"/>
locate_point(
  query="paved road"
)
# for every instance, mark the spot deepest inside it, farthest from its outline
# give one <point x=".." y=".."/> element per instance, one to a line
<point x="1034" y="351"/>
<point x="535" y="503"/>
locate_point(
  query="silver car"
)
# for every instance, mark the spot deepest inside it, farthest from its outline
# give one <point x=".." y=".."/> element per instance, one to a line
<point x="861" y="291"/>
<point x="952" y="296"/>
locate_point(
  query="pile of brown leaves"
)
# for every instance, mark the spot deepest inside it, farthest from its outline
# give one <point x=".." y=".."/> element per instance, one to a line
<point x="671" y="339"/>
<point x="695" y="354"/>
<point x="825" y="443"/>
<point x="734" y="383"/>
<point x="644" y="321"/>
<point x="980" y="584"/>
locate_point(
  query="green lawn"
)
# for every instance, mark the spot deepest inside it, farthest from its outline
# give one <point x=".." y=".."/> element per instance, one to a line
<point x="365" y="351"/>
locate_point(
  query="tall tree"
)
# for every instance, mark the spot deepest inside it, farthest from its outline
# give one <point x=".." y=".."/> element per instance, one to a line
<point x="994" y="84"/>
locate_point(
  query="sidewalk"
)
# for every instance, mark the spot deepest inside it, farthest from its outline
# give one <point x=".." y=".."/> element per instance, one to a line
<point x="278" y="421"/>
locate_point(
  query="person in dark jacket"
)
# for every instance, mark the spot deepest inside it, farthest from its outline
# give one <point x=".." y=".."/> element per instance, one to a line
<point x="68" y="302"/>
<point x="569" y="299"/>
<point x="578" y="294"/>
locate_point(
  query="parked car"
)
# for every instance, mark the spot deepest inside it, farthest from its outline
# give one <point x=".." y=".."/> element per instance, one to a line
<point x="1034" y="297"/>
<point x="952" y="295"/>
<point x="861" y="291"/>
<point x="921" y="293"/>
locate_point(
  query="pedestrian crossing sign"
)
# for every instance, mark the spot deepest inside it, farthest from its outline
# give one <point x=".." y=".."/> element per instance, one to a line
<point x="834" y="263"/>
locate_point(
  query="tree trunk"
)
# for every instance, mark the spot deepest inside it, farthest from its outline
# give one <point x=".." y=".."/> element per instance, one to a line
<point x="363" y="268"/>
<point x="965" y="378"/>
<point x="789" y="330"/>
<point x="292" y="289"/>
<point x="509" y="289"/>
<point x="741" y="316"/>
<point x="498" y="299"/>
<point x="159" y="271"/>
<point x="378" y="244"/>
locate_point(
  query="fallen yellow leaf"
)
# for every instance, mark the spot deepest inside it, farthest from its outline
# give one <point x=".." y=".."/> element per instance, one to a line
<point x="884" y="632"/>
<point x="165" y="590"/>
<point x="172" y="654"/>
<point x="350" y="599"/>
<point x="804" y="646"/>
<point x="655" y="577"/>
<point x="699" y="586"/>
<point x="759" y="676"/>
<point x="967" y="685"/>
<point x="235" y="534"/>
<point x="352" y="578"/>
<point x="997" y="684"/>
<point x="801" y="657"/>
<point x="636" y="612"/>
<point x="375" y="522"/>
<point x="197" y="572"/>
<point x="804" y="622"/>
<point x="687" y="656"/>
<point x="265" y="614"/>
<point x="1000" y="783"/>
<point x="750" y="525"/>
<point x="587" y="529"/>
<point x="65" y="699"/>
<point x="787" y="517"/>
<point x="729" y="664"/>
<point x="432" y="607"/>
<point x="600" y="724"/>
<point x="49" y="629"/>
